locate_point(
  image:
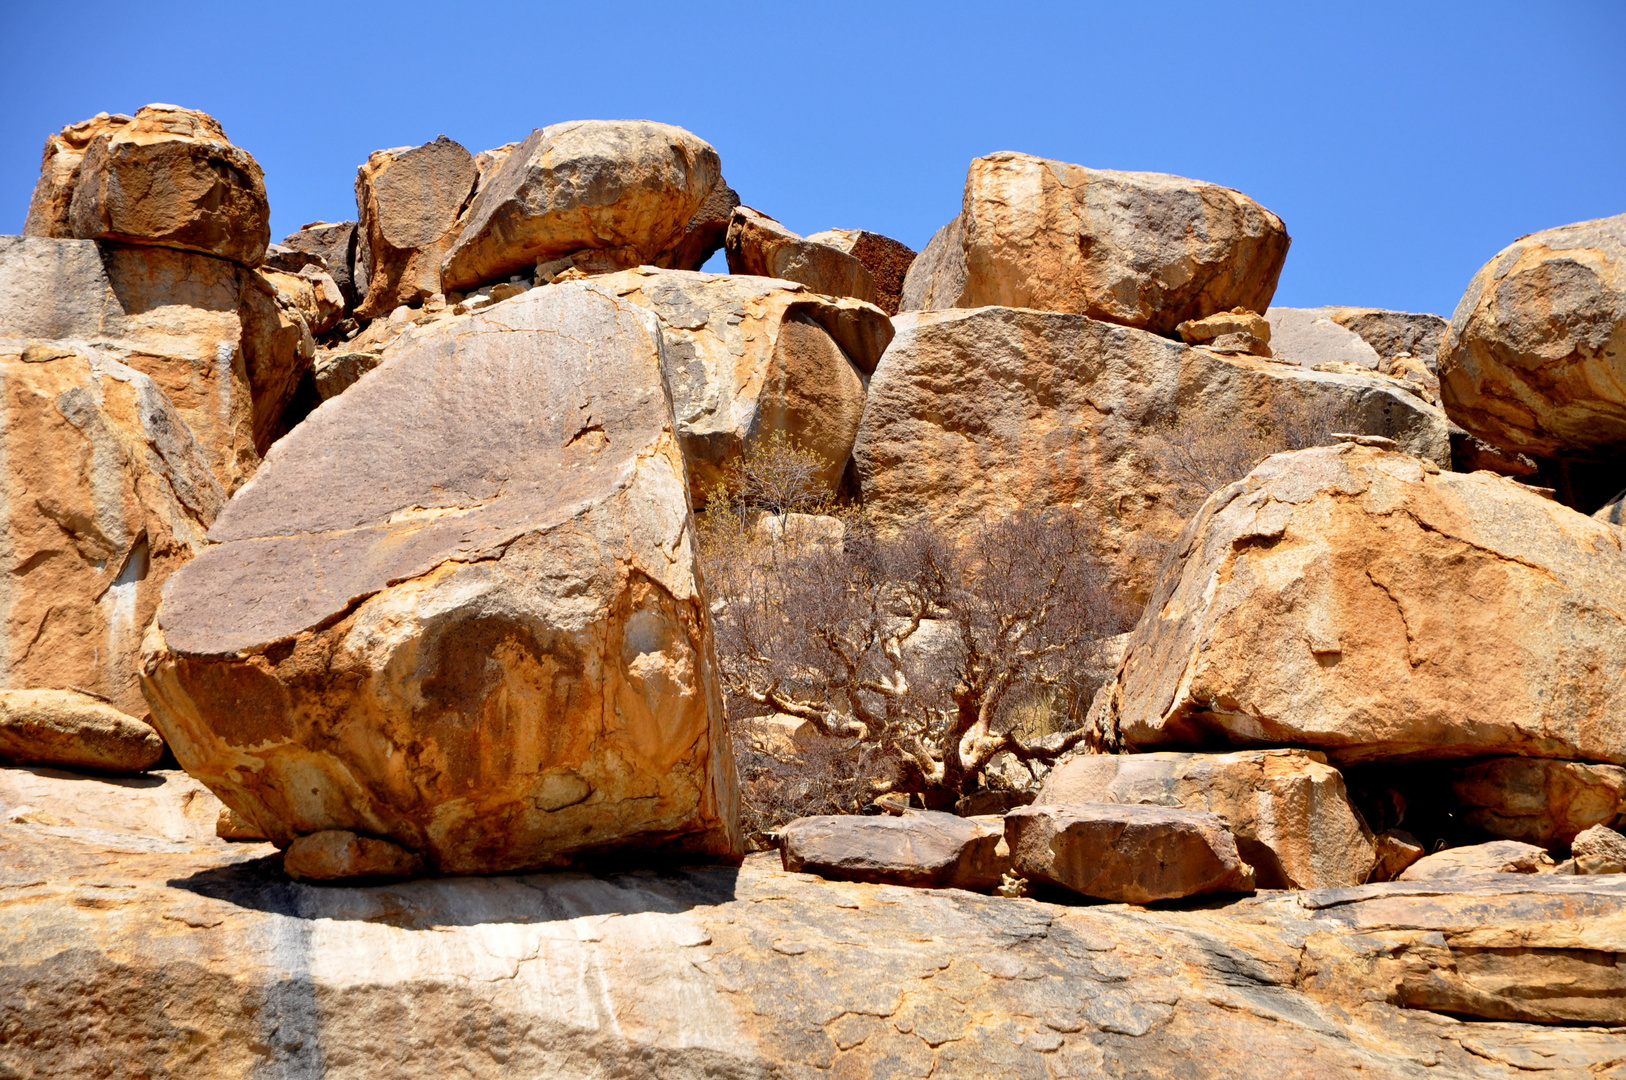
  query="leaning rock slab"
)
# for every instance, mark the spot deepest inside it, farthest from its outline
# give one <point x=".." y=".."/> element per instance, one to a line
<point x="458" y="609"/>
<point x="629" y="187"/>
<point x="1539" y="800"/>
<point x="1133" y="854"/>
<point x="1477" y="860"/>
<point x="335" y="243"/>
<point x="1535" y="359"/>
<point x="409" y="199"/>
<point x="1361" y="602"/>
<point x="886" y="259"/>
<point x="1288" y="809"/>
<point x="65" y="727"/>
<point x="758" y="245"/>
<point x="922" y="849"/>
<point x="1141" y="249"/>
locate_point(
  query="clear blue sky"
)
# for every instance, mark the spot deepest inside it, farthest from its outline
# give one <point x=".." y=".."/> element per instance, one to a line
<point x="1403" y="143"/>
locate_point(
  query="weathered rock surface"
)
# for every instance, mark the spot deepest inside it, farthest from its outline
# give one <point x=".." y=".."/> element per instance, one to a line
<point x="747" y="357"/>
<point x="936" y="279"/>
<point x="167" y="177"/>
<point x="886" y="259"/>
<point x="1600" y="841"/>
<point x="1396" y="849"/>
<point x="458" y="609"/>
<point x="1141" y="249"/>
<point x="1356" y="600"/>
<point x="1477" y="860"/>
<point x="335" y="854"/>
<point x="1237" y="321"/>
<point x="625" y="187"/>
<point x="1310" y="337"/>
<point x="162" y="804"/>
<point x="408" y="200"/>
<point x="923" y="849"/>
<point x="1539" y="800"/>
<point x="1288" y="809"/>
<point x="978" y="413"/>
<point x="336" y="243"/>
<point x="68" y="728"/>
<point x="758" y="245"/>
<point x="1394" y="334"/>
<point x="1535" y="359"/>
<point x="338" y="371"/>
<point x="105" y="494"/>
<point x="1125" y="852"/>
<point x="705" y="233"/>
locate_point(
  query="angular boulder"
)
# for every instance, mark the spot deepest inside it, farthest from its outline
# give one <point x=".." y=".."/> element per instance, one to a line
<point x="747" y="357"/>
<point x="1477" y="860"/>
<point x="1539" y="800"/>
<point x="1288" y="810"/>
<point x="1309" y="336"/>
<point x="705" y="233"/>
<point x="625" y="187"/>
<point x="1140" y="249"/>
<point x="1126" y="853"/>
<point x="886" y="259"/>
<point x="336" y="244"/>
<point x="936" y="279"/>
<point x="408" y="200"/>
<point x="335" y="854"/>
<point x="1535" y="358"/>
<point x="73" y="729"/>
<point x="458" y="609"/>
<point x="973" y="414"/>
<point x="1394" y="334"/>
<point x="1361" y="602"/>
<point x="923" y="849"/>
<point x="1601" y="842"/>
<point x="166" y="177"/>
<point x="760" y="246"/>
<point x="106" y="493"/>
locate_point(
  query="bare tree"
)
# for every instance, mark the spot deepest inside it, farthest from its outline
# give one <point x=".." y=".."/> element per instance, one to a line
<point x="1203" y="453"/>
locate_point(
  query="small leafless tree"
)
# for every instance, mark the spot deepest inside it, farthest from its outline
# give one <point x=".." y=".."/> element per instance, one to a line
<point x="1205" y="452"/>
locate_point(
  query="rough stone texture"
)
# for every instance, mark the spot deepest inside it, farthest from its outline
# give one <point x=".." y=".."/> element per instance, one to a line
<point x="408" y="200"/>
<point x="705" y="233"/>
<point x="1599" y="840"/>
<point x="1612" y="510"/>
<point x="978" y="413"/>
<point x="458" y="608"/>
<point x="886" y="259"/>
<point x="105" y="493"/>
<point x="936" y="279"/>
<point x="339" y="370"/>
<point x="146" y="952"/>
<point x="335" y="242"/>
<point x="1394" y="334"/>
<point x="746" y="357"/>
<point x="627" y="185"/>
<point x="218" y="340"/>
<point x="1477" y="860"/>
<point x="1396" y="850"/>
<point x="1310" y="336"/>
<point x="1539" y="800"/>
<point x="162" y="804"/>
<point x="1142" y="249"/>
<point x="1535" y="359"/>
<point x="337" y="853"/>
<point x="922" y="848"/>
<point x="68" y="728"/>
<point x="167" y="177"/>
<point x="760" y="246"/>
<point x="1239" y="321"/>
<point x="1355" y="600"/>
<point x="1124" y="852"/>
<point x="1289" y="810"/>
<point x="309" y="291"/>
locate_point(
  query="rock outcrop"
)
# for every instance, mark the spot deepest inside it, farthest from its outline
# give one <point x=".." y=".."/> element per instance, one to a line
<point x="1364" y="603"/>
<point x="626" y="188"/>
<point x="886" y="259"/>
<point x="1600" y="842"/>
<point x="408" y="200"/>
<point x="336" y="244"/>
<point x="458" y="609"/>
<point x="1477" y="860"/>
<point x="1141" y="249"/>
<point x="973" y="414"/>
<point x="758" y="245"/>
<point x="73" y="729"/>
<point x="1395" y="334"/>
<point x="1288" y="810"/>
<point x="1535" y="359"/>
<point x="1539" y="800"/>
<point x="922" y="849"/>
<point x="705" y="233"/>
<point x="1310" y="337"/>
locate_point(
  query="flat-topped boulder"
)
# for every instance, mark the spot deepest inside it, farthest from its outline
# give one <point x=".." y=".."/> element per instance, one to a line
<point x="1477" y="860"/>
<point x="458" y="609"/>
<point x="922" y="848"/>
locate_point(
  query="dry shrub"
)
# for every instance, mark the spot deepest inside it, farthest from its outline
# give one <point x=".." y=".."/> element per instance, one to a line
<point x="1204" y="453"/>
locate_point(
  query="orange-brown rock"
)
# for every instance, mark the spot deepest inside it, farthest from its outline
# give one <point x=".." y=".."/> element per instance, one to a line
<point x="335" y="854"/>
<point x="758" y="245"/>
<point x="59" y="174"/>
<point x="1539" y="800"/>
<point x="336" y="244"/>
<point x="921" y="849"/>
<point x="886" y="259"/>
<point x="1362" y="602"/>
<point x="1535" y="359"/>
<point x="1235" y="321"/>
<point x="66" y="727"/>
<point x="1142" y="249"/>
<point x="705" y="233"/>
<point x="624" y="186"/>
<point x="1478" y="860"/>
<point x="458" y="608"/>
<point x="409" y="199"/>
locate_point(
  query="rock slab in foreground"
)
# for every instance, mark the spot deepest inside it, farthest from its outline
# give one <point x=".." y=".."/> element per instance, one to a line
<point x="1128" y="853"/>
<point x="1361" y="602"/>
<point x="923" y="849"/>
<point x="65" y="727"/>
<point x="458" y="608"/>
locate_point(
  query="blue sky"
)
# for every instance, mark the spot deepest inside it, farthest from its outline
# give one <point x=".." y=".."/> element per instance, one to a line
<point x="1403" y="143"/>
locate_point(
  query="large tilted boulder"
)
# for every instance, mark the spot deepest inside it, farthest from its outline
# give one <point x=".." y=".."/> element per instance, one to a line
<point x="219" y="340"/>
<point x="106" y="493"/>
<point x="458" y="609"/>
<point x="408" y="200"/>
<point x="974" y="414"/>
<point x="923" y="849"/>
<point x="66" y="727"/>
<point x="1288" y="809"/>
<point x="627" y="188"/>
<point x="167" y="177"/>
<point x="1395" y="334"/>
<point x="1141" y="249"/>
<point x="1538" y="800"/>
<point x="758" y="245"/>
<point x="1535" y="359"/>
<point x="886" y="259"/>
<point x="747" y="357"/>
<point x="1362" y="602"/>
